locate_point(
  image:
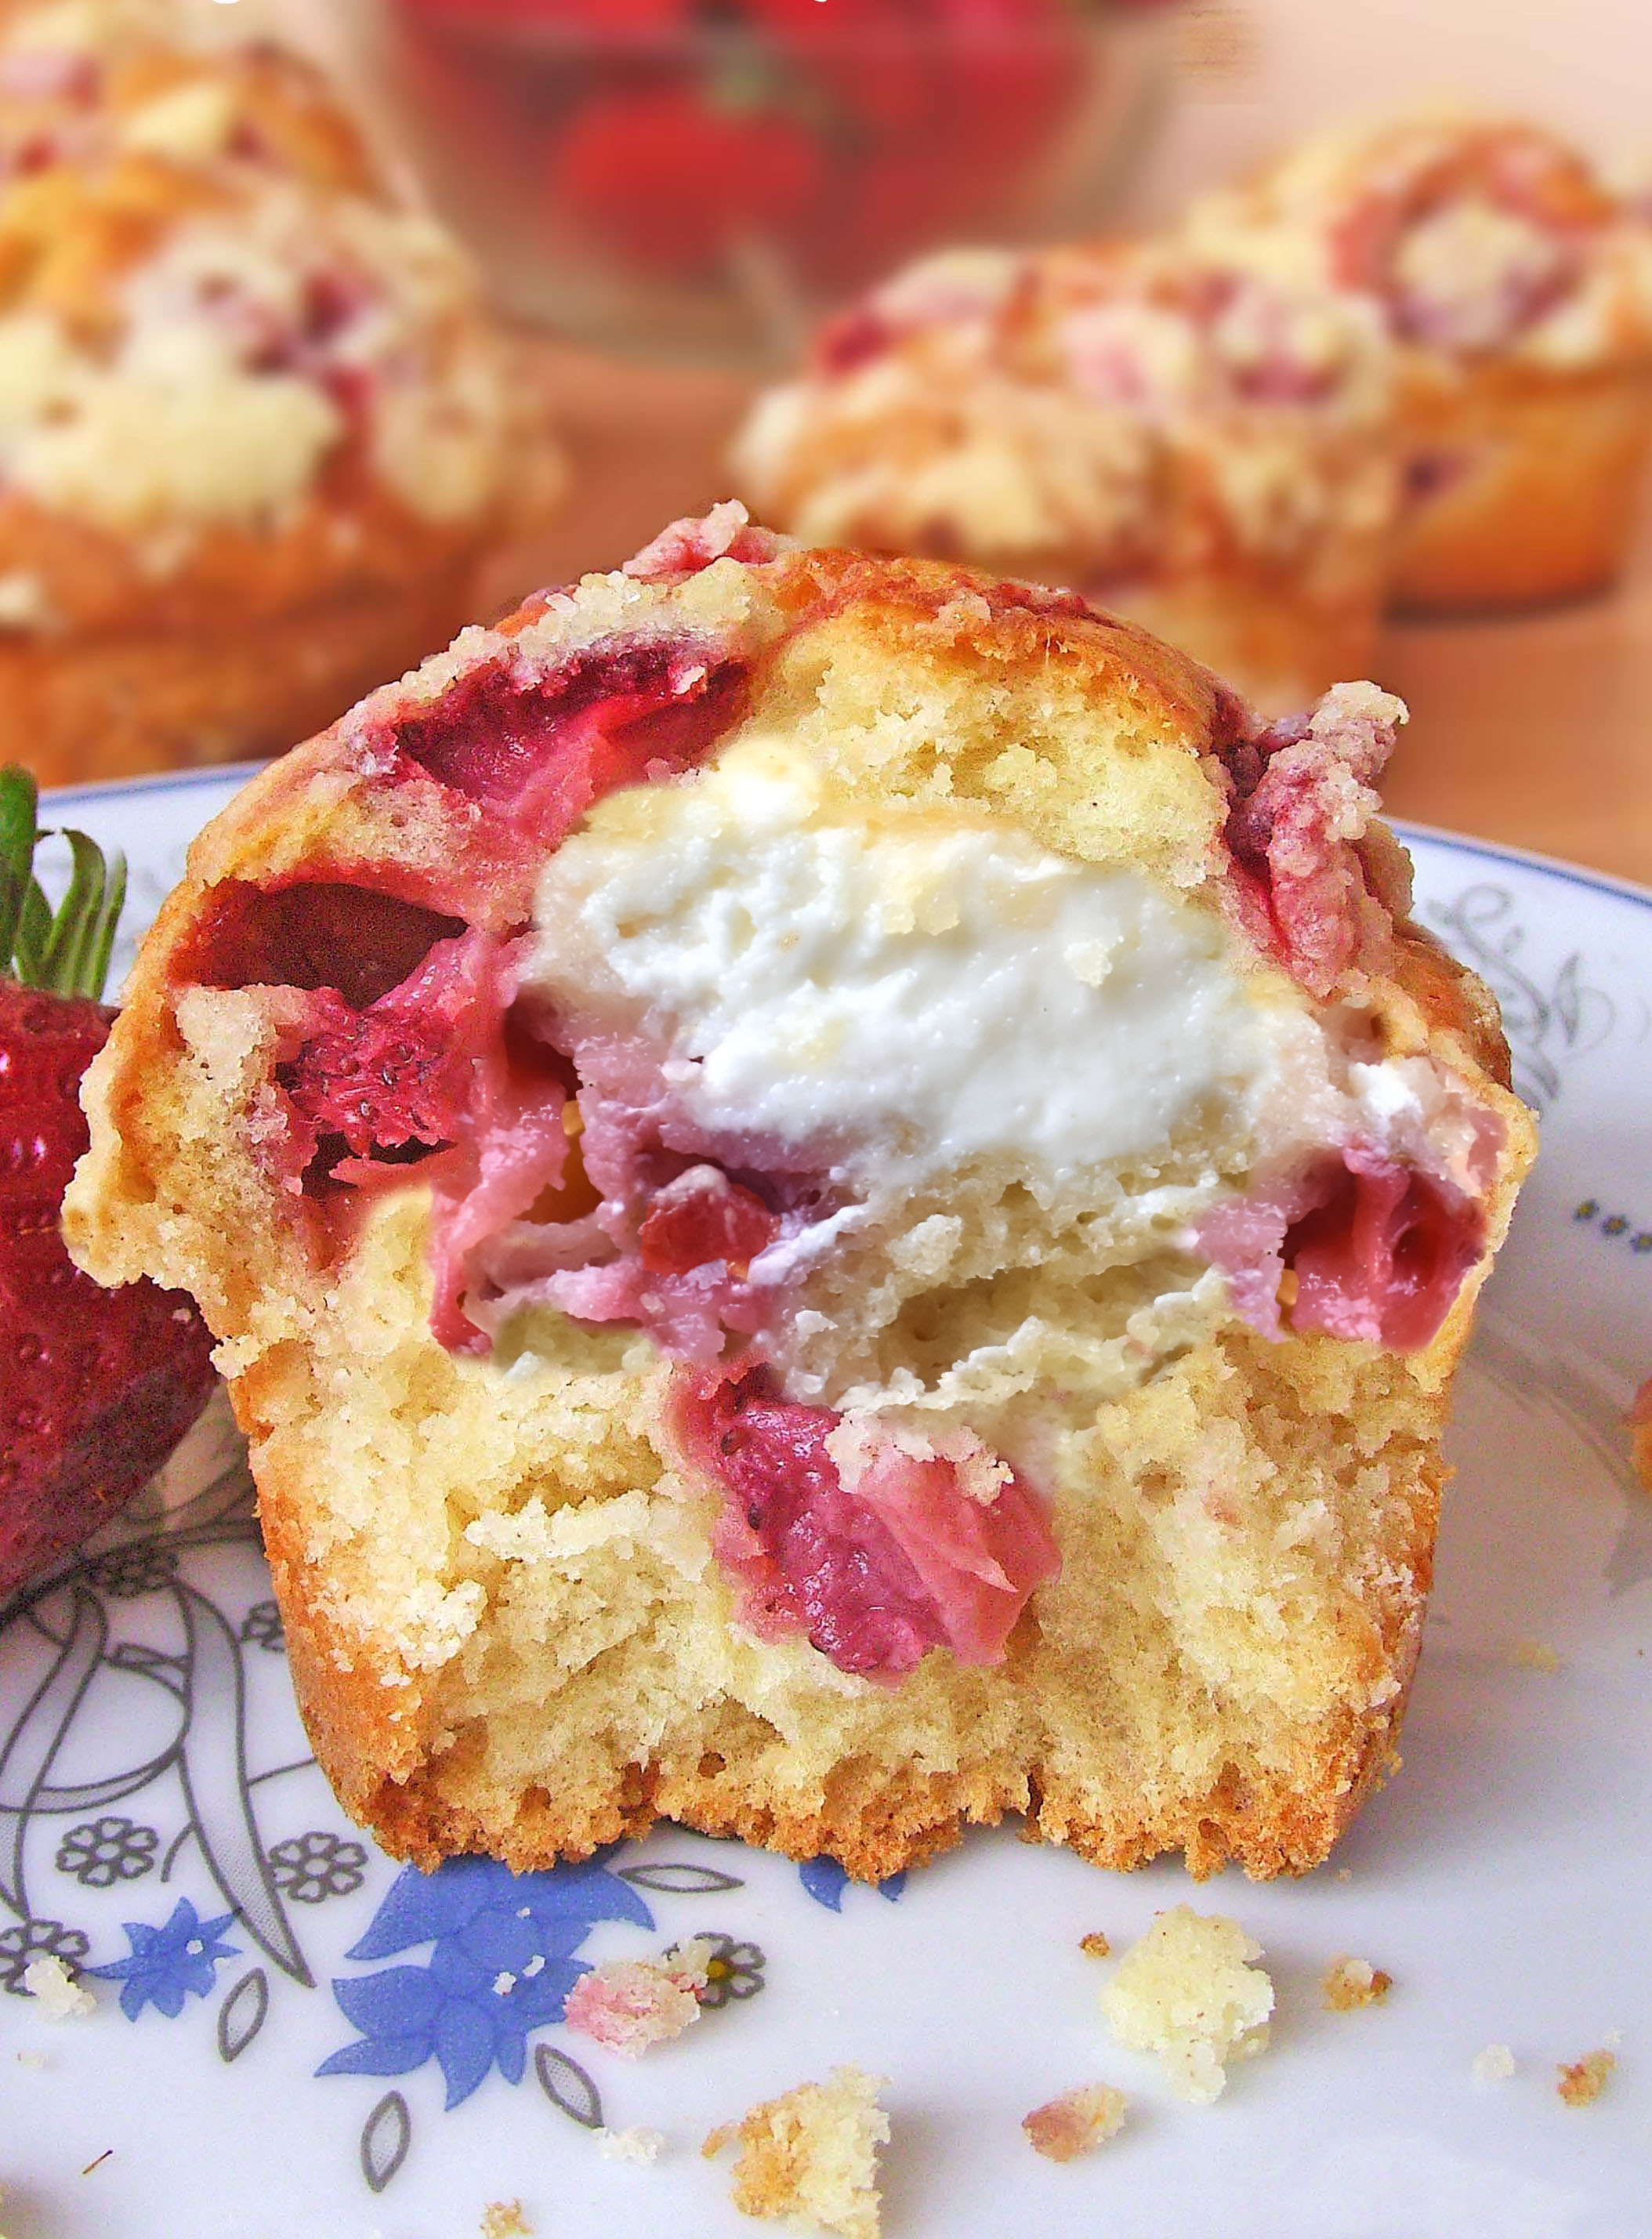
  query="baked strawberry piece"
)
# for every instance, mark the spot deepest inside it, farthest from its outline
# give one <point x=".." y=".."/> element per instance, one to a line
<point x="840" y="1201"/>
<point x="98" y="1385"/>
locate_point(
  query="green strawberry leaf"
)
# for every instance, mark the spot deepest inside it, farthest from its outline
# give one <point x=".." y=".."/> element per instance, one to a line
<point x="66" y="951"/>
<point x="18" y="796"/>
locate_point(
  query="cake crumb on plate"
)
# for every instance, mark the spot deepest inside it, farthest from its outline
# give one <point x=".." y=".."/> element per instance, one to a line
<point x="504" y="2219"/>
<point x="1076" y="2122"/>
<point x="635" y="2143"/>
<point x="1493" y="2063"/>
<point x="1537" y="1656"/>
<point x="630" y="2004"/>
<point x="811" y="2156"/>
<point x="1348" y="1983"/>
<point x="1582" y="2082"/>
<point x="61" y="1996"/>
<point x="1188" y="1991"/>
<point x="1094" y="1945"/>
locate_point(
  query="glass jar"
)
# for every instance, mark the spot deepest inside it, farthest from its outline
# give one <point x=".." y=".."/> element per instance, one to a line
<point x="704" y="178"/>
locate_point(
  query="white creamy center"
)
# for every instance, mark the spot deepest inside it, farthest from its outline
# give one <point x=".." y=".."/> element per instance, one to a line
<point x="915" y="989"/>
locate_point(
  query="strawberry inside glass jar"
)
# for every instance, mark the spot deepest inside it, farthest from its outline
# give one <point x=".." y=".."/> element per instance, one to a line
<point x="771" y="152"/>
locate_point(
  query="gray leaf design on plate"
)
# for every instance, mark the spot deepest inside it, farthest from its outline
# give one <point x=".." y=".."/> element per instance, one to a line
<point x="1481" y="926"/>
<point x="241" y="2014"/>
<point x="26" y="1760"/>
<point x="213" y="1764"/>
<point x="386" y="2136"/>
<point x="680" y="1880"/>
<point x="565" y="2084"/>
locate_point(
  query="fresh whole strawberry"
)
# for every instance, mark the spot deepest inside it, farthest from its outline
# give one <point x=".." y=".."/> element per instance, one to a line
<point x="97" y="1387"/>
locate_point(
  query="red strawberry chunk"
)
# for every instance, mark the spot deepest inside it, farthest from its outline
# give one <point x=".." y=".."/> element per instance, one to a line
<point x="683" y="548"/>
<point x="380" y="1082"/>
<point x="1379" y="1249"/>
<point x="402" y="1072"/>
<point x="702" y="1217"/>
<point x="541" y="749"/>
<point x="876" y="1577"/>
<point x="1303" y="801"/>
<point x="808" y="1556"/>
<point x="1385" y="1255"/>
<point x="312" y="934"/>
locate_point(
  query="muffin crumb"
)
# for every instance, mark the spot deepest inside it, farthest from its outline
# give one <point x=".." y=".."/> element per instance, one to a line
<point x="1493" y="2063"/>
<point x="61" y="1996"/>
<point x="633" y="2144"/>
<point x="1537" y="1656"/>
<point x="1348" y="1983"/>
<point x="1188" y="1991"/>
<point x="1582" y="2082"/>
<point x="629" y="2005"/>
<point x="504" y="2219"/>
<point x="1094" y="1945"/>
<point x="811" y="2156"/>
<point x="1076" y="2122"/>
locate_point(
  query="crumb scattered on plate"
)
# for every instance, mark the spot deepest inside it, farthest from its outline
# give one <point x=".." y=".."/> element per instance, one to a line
<point x="1537" y="1656"/>
<point x="1076" y="2122"/>
<point x="634" y="2144"/>
<point x="1348" y="1983"/>
<point x="811" y="2155"/>
<point x="630" y="2004"/>
<point x="1189" y="1992"/>
<point x="59" y="1996"/>
<point x="504" y="2219"/>
<point x="1094" y="1945"/>
<point x="1582" y="2082"/>
<point x="1493" y="2063"/>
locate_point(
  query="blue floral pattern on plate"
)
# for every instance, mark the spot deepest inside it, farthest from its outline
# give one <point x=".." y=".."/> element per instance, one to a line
<point x="178" y="1960"/>
<point x="501" y="1965"/>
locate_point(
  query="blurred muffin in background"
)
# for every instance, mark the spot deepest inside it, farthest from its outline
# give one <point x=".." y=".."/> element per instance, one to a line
<point x="1185" y="440"/>
<point x="256" y="432"/>
<point x="1518" y="290"/>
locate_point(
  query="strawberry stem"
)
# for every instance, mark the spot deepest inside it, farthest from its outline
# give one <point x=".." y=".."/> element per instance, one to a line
<point x="66" y="951"/>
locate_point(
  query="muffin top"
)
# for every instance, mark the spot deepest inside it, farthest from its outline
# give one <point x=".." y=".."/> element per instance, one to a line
<point x="1130" y="409"/>
<point x="1476" y="238"/>
<point x="229" y="349"/>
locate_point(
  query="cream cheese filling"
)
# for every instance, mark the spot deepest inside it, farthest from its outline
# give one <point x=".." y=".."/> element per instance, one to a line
<point x="1025" y="1079"/>
<point x="915" y="990"/>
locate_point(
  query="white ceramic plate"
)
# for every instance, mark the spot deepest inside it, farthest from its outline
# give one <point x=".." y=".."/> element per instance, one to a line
<point x="293" y="2037"/>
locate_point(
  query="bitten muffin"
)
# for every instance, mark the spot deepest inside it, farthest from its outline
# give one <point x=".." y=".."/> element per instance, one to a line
<point x="838" y="1201"/>
<point x="1518" y="292"/>
<point x="256" y="432"/>
<point x="1197" y="446"/>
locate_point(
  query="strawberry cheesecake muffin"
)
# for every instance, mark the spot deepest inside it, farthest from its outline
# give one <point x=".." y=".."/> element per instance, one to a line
<point x="839" y="1199"/>
<point x="1517" y="288"/>
<point x="255" y="428"/>
<point x="1197" y="446"/>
